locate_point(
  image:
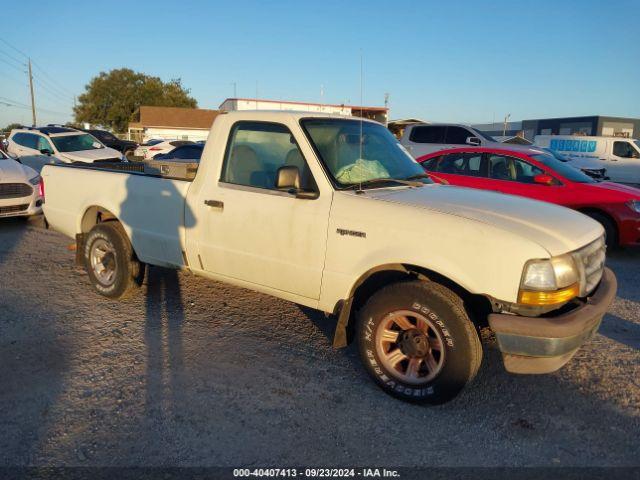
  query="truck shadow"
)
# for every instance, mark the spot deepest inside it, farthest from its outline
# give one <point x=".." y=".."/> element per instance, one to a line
<point x="621" y="330"/>
<point x="164" y="315"/>
<point x="157" y="217"/>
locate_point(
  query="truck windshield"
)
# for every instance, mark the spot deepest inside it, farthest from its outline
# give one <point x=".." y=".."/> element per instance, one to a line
<point x="76" y="143"/>
<point x="356" y="152"/>
<point x="563" y="168"/>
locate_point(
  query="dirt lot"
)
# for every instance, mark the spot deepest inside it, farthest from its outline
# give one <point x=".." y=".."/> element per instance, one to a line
<point x="191" y="372"/>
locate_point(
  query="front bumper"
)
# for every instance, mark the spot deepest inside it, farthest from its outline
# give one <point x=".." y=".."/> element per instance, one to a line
<point x="21" y="207"/>
<point x="544" y="344"/>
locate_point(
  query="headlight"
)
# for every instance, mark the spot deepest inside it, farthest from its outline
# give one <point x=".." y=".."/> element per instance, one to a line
<point x="634" y="205"/>
<point x="35" y="180"/>
<point x="549" y="282"/>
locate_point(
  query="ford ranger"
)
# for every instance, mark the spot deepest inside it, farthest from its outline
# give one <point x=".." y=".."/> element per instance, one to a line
<point x="333" y="213"/>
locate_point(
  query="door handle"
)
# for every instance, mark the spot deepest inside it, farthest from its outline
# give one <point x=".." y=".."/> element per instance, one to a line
<point x="214" y="203"/>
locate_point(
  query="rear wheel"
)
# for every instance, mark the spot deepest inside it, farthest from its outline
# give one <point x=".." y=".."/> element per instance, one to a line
<point x="417" y="342"/>
<point x="610" y="230"/>
<point x="112" y="266"/>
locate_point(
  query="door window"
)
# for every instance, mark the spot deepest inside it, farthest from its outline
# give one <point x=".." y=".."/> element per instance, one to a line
<point x="257" y="150"/>
<point x="43" y="144"/>
<point x="469" y="164"/>
<point x="428" y="134"/>
<point x="624" y="150"/>
<point x="458" y="135"/>
<point x="502" y="167"/>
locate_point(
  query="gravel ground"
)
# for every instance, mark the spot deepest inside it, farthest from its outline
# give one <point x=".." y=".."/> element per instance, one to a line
<point x="195" y="373"/>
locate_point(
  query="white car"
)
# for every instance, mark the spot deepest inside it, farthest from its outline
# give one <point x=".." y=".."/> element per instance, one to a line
<point x="37" y="146"/>
<point x="152" y="148"/>
<point x="20" y="189"/>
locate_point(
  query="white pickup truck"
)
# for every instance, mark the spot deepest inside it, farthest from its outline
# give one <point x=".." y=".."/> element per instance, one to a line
<point x="332" y="213"/>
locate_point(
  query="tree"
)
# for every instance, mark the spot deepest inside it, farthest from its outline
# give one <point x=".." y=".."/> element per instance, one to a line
<point x="11" y="126"/>
<point x="110" y="99"/>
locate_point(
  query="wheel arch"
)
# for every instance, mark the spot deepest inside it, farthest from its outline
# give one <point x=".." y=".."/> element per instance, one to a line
<point x="607" y="215"/>
<point x="375" y="278"/>
<point x="91" y="217"/>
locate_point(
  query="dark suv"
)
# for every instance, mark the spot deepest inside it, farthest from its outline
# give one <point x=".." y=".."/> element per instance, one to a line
<point x="110" y="140"/>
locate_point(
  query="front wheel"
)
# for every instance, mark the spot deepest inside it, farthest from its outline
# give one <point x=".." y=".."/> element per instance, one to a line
<point x="417" y="342"/>
<point x="109" y="259"/>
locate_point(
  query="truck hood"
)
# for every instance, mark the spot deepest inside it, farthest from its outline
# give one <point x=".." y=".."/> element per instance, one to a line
<point x="556" y="229"/>
<point x="12" y="171"/>
<point x="89" y="156"/>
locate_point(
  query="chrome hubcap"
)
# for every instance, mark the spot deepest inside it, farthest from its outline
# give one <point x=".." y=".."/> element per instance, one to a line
<point x="410" y="347"/>
<point x="103" y="261"/>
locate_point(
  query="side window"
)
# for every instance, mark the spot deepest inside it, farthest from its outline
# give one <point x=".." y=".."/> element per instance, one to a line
<point x="469" y="164"/>
<point x="43" y="144"/>
<point x="433" y="164"/>
<point x="428" y="134"/>
<point x="624" y="150"/>
<point x="458" y="135"/>
<point x="502" y="167"/>
<point x="25" y="140"/>
<point x="187" y="152"/>
<point x="257" y="150"/>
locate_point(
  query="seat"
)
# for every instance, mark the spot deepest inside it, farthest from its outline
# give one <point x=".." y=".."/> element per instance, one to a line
<point x="244" y="166"/>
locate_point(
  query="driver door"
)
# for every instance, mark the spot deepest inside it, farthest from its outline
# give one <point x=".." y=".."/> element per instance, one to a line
<point x="624" y="163"/>
<point x="253" y="232"/>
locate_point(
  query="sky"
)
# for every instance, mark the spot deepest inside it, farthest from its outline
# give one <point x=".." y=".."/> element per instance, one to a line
<point x="452" y="61"/>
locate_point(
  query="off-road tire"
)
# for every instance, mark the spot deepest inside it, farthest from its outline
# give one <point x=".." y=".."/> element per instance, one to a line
<point x="445" y="310"/>
<point x="129" y="271"/>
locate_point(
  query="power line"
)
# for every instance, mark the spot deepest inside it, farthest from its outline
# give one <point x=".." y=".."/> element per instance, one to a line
<point x="11" y="65"/>
<point x="53" y="81"/>
<point x="56" y="91"/>
<point x="14" y="48"/>
<point x="14" y="101"/>
<point x="13" y="58"/>
<point x="52" y="93"/>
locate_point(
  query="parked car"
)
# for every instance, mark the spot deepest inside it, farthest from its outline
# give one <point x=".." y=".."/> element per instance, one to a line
<point x="127" y="147"/>
<point x="330" y="213"/>
<point x="424" y="138"/>
<point x="20" y="189"/>
<point x="154" y="147"/>
<point x="37" y="146"/>
<point x="620" y="156"/>
<point x="539" y="175"/>
<point x="183" y="152"/>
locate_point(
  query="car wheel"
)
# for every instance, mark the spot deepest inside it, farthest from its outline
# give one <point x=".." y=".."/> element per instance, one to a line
<point x="109" y="259"/>
<point x="610" y="230"/>
<point x="417" y="342"/>
<point x="128" y="153"/>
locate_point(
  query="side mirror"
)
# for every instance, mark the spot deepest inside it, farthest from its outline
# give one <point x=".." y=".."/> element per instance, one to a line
<point x="46" y="151"/>
<point x="543" y="179"/>
<point x="288" y="178"/>
<point x="475" y="141"/>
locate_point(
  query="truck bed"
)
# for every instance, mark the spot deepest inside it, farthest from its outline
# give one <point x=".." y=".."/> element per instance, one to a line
<point x="149" y="206"/>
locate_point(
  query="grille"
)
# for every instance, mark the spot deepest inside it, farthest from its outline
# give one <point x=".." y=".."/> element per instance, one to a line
<point x="15" y="190"/>
<point x="13" y="209"/>
<point x="590" y="261"/>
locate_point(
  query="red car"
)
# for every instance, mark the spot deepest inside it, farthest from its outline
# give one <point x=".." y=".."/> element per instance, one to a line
<point x="534" y="173"/>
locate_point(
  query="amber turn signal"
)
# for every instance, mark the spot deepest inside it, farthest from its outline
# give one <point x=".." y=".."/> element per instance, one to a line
<point x="555" y="297"/>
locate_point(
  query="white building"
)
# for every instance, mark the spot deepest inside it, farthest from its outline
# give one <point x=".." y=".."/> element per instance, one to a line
<point x="171" y="123"/>
<point x="374" y="113"/>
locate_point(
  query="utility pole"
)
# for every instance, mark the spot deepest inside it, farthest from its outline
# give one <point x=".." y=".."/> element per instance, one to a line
<point x="33" y="101"/>
<point x="235" y="90"/>
<point x="506" y="119"/>
<point x="386" y="105"/>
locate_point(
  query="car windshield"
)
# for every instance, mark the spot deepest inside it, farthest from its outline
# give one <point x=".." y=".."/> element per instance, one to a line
<point x="104" y="135"/>
<point x="76" y="143"/>
<point x="637" y="143"/>
<point x="480" y="134"/>
<point x="563" y="168"/>
<point x="356" y="152"/>
<point x="152" y="142"/>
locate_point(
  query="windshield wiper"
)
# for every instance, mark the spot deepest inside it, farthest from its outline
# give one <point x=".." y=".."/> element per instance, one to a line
<point x="373" y="181"/>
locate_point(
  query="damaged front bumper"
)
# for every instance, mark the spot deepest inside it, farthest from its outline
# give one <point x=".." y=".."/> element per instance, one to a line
<point x="544" y="344"/>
